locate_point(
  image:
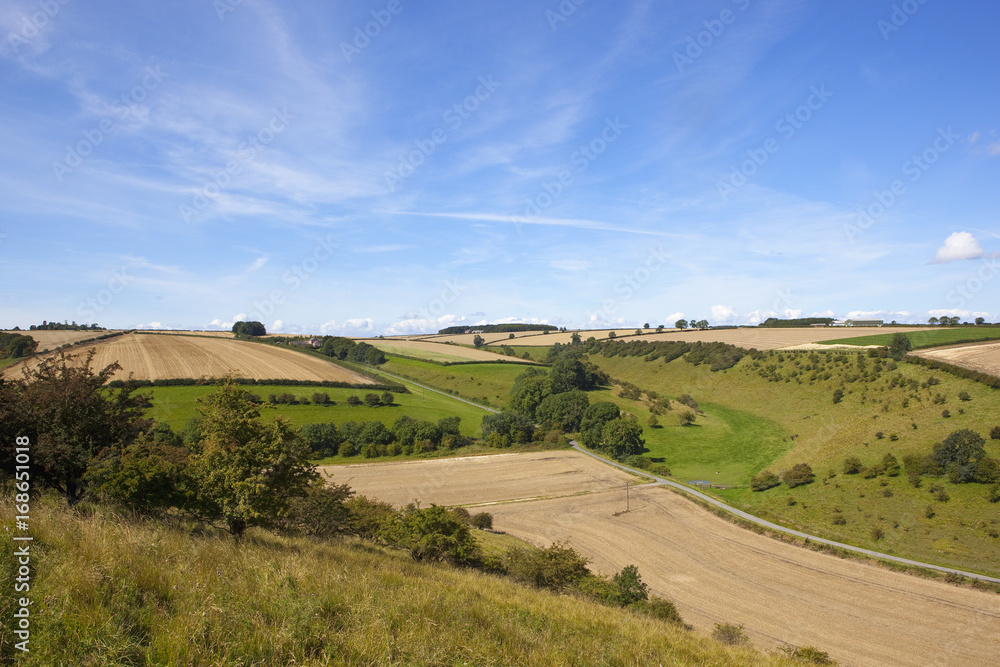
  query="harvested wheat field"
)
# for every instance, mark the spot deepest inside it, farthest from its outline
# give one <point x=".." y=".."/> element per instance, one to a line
<point x="50" y="340"/>
<point x="532" y="338"/>
<point x="717" y="572"/>
<point x="210" y="334"/>
<point x="480" y="479"/>
<point x="768" y="338"/>
<point x="432" y="351"/>
<point x="982" y="357"/>
<point x="158" y="357"/>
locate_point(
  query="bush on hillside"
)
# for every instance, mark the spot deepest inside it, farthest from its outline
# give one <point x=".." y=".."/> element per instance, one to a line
<point x="798" y="474"/>
<point x="764" y="481"/>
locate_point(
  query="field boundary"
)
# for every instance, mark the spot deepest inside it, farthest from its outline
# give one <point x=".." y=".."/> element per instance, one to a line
<point x="660" y="481"/>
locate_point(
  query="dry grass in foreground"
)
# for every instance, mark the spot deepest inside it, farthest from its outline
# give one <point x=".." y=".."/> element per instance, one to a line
<point x="109" y="590"/>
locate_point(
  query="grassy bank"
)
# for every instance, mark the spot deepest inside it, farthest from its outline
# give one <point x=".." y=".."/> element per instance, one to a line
<point x="108" y="590"/>
<point x="891" y="410"/>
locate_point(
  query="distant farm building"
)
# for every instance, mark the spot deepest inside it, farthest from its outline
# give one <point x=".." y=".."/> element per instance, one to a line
<point x="863" y="323"/>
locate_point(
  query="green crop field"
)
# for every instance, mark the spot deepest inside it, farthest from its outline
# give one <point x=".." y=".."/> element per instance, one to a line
<point x="922" y="339"/>
<point x="177" y="405"/>
<point x="486" y="383"/>
<point x="753" y="410"/>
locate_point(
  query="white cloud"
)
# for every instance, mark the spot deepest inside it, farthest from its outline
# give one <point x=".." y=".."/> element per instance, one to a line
<point x="960" y="245"/>
<point x="673" y="317"/>
<point x="277" y="327"/>
<point x="723" y="314"/>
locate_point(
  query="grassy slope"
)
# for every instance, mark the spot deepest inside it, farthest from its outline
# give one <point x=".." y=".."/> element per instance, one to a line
<point x="960" y="534"/>
<point x="176" y="405"/>
<point x="486" y="383"/>
<point x="922" y="339"/>
<point x="109" y="591"/>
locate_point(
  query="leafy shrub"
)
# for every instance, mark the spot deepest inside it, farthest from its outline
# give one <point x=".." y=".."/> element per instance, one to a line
<point x="852" y="465"/>
<point x="661" y="609"/>
<point x="838" y="395"/>
<point x="877" y="533"/>
<point x="558" y="567"/>
<point x="809" y="654"/>
<point x="764" y="481"/>
<point x="890" y="465"/>
<point x="432" y="534"/>
<point x="995" y="433"/>
<point x="482" y="521"/>
<point x="353" y="400"/>
<point x="929" y="512"/>
<point x="798" y="474"/>
<point x="994" y="494"/>
<point x="840" y="520"/>
<point x="731" y="634"/>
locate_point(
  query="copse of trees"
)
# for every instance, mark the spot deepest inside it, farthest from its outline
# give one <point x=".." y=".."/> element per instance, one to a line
<point x="63" y="326"/>
<point x="14" y="346"/>
<point x="346" y="349"/>
<point x="249" y="329"/>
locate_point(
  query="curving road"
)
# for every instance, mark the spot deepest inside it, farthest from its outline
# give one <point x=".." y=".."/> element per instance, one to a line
<point x="659" y="481"/>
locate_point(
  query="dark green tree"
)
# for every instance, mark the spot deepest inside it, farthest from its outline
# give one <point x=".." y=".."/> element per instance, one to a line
<point x="529" y="390"/>
<point x="959" y="455"/>
<point x="629" y="587"/>
<point x="244" y="471"/>
<point x="70" y="416"/>
<point x="564" y="411"/>
<point x="622" y="437"/>
<point x="899" y="346"/>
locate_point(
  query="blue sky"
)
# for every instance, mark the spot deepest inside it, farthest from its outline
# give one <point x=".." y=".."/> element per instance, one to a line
<point x="396" y="166"/>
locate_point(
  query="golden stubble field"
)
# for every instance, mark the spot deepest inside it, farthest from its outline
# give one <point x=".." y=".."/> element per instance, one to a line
<point x="162" y="356"/>
<point x="50" y="340"/>
<point x="713" y="570"/>
<point x="747" y="337"/>
<point x="480" y="479"/>
<point x="982" y="357"/>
